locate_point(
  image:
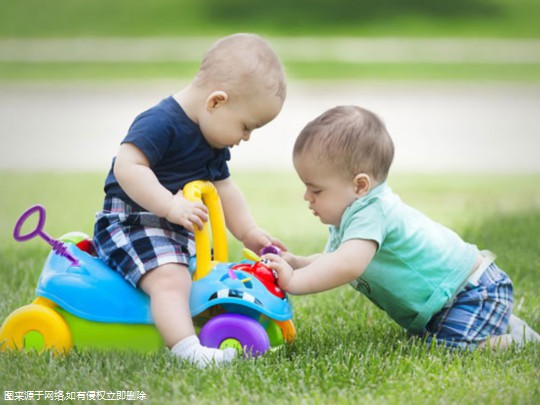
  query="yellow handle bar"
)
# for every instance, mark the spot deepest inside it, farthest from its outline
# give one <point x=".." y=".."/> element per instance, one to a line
<point x="206" y="192"/>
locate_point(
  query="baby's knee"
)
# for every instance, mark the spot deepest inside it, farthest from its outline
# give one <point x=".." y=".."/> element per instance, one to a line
<point x="167" y="277"/>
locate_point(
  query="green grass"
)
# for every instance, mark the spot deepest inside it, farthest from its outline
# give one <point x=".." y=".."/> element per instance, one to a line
<point x="137" y="18"/>
<point x="295" y="70"/>
<point x="415" y="71"/>
<point x="347" y="350"/>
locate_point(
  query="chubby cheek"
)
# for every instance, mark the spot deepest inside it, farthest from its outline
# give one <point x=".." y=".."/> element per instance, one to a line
<point x="324" y="211"/>
<point x="331" y="214"/>
<point x="229" y="135"/>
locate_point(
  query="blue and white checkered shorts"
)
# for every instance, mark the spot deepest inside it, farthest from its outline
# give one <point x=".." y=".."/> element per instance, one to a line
<point x="134" y="242"/>
<point x="479" y="310"/>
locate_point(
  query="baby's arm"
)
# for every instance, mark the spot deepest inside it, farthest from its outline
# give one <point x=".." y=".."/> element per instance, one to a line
<point x="133" y="172"/>
<point x="327" y="271"/>
<point x="239" y="220"/>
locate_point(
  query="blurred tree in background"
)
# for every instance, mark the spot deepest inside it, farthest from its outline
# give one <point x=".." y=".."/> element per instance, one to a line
<point x="67" y="18"/>
<point x="459" y="20"/>
<point x="308" y="14"/>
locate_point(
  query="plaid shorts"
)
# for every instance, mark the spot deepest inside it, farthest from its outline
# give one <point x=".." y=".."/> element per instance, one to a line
<point x="134" y="242"/>
<point x="479" y="310"/>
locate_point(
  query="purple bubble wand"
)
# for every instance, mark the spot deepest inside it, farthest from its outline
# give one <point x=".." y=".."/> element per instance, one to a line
<point x="58" y="246"/>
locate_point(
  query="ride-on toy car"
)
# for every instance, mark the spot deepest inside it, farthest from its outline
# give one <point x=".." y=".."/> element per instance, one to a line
<point x="82" y="302"/>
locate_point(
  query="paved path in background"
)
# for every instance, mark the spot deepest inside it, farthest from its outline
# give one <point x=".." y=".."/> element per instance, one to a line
<point x="436" y="127"/>
<point x="306" y="49"/>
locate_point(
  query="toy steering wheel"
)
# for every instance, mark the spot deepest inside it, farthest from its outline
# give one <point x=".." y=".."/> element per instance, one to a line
<point x="206" y="192"/>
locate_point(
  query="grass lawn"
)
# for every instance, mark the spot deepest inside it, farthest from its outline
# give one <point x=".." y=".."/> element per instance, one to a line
<point x="425" y="72"/>
<point x="347" y="351"/>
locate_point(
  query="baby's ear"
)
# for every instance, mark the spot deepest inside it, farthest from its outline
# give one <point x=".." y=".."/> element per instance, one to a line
<point x="216" y="99"/>
<point x="362" y="184"/>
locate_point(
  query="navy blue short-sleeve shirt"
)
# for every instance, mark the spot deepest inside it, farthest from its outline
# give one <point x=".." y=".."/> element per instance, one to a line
<point x="175" y="148"/>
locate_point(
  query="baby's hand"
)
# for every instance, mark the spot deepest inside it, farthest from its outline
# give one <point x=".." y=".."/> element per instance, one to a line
<point x="283" y="269"/>
<point x="187" y="213"/>
<point x="256" y="239"/>
<point x="290" y="259"/>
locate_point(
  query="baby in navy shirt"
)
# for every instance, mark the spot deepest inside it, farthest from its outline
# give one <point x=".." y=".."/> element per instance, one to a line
<point x="145" y="230"/>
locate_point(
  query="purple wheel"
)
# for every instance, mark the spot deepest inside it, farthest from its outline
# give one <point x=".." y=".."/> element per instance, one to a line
<point x="238" y="331"/>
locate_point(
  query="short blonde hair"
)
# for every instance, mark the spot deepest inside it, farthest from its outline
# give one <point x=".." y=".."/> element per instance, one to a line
<point x="241" y="62"/>
<point x="351" y="139"/>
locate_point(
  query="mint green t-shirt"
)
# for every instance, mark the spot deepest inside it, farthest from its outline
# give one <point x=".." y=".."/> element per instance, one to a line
<point x="419" y="264"/>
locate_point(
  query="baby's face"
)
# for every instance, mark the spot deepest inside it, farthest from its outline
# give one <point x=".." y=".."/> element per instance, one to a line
<point x="234" y="121"/>
<point x="328" y="192"/>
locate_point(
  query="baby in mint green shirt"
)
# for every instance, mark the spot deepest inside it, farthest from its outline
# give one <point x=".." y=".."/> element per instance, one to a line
<point x="422" y="274"/>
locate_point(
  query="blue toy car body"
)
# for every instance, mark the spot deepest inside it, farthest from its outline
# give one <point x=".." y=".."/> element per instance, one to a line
<point x="81" y="301"/>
